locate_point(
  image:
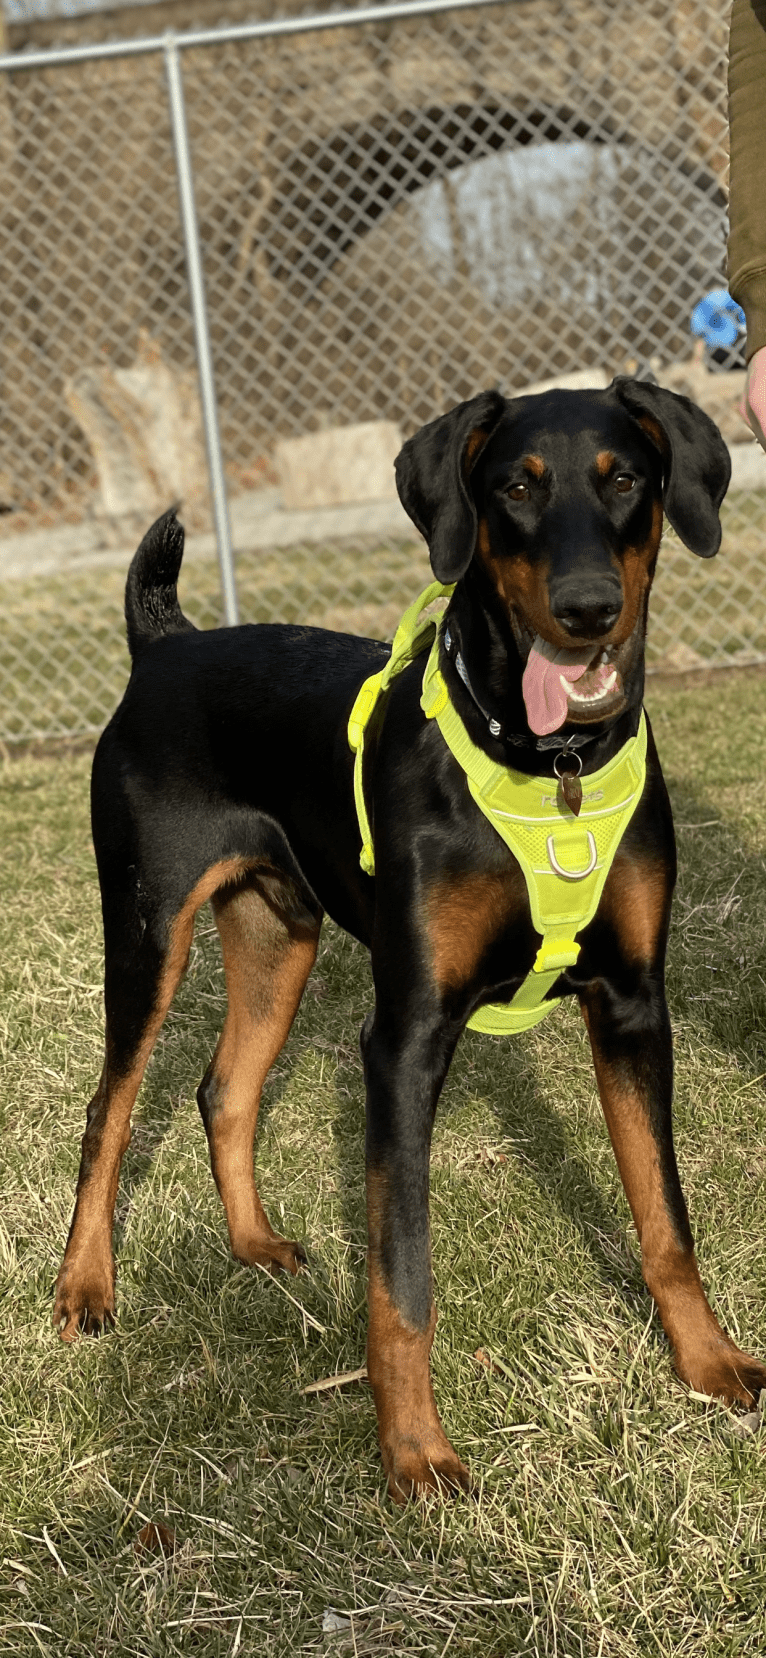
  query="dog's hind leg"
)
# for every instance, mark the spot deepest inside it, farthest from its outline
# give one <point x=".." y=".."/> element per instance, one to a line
<point x="144" y="962"/>
<point x="269" y="945"/>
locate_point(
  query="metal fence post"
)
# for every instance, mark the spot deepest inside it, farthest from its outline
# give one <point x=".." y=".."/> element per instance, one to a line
<point x="201" y="331"/>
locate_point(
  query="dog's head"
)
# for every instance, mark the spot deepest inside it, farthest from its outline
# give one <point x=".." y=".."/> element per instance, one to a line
<point x="558" y="499"/>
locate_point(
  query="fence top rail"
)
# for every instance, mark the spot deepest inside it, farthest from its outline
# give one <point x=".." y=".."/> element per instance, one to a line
<point x="55" y="56"/>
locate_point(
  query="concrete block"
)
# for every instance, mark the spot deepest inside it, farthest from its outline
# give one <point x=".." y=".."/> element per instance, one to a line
<point x="339" y="466"/>
<point x="144" y="427"/>
<point x="580" y="379"/>
<point x="748" y="465"/>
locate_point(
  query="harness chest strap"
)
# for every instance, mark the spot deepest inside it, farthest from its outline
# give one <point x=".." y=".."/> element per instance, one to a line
<point x="565" y="859"/>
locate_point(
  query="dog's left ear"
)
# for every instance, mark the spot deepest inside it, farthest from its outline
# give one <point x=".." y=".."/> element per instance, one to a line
<point x="697" y="465"/>
<point x="432" y="477"/>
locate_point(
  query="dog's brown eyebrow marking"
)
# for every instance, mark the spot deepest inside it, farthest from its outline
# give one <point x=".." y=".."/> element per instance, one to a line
<point x="604" y="462"/>
<point x="534" y="464"/>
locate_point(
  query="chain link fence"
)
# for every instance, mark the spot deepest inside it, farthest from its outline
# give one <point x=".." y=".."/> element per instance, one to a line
<point x="392" y="215"/>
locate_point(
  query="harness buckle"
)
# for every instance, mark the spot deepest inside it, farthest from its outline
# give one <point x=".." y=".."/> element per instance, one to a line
<point x="555" y="954"/>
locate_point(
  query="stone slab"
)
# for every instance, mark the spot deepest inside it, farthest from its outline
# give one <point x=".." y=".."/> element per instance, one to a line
<point x="748" y="465"/>
<point x="340" y="466"/>
<point x="258" y="519"/>
<point x="580" y="379"/>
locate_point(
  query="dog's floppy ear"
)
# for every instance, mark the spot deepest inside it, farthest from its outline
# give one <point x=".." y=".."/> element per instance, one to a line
<point x="432" y="472"/>
<point x="697" y="466"/>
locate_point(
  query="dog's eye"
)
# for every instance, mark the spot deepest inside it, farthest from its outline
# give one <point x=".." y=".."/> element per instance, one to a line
<point x="518" y="492"/>
<point x="624" y="482"/>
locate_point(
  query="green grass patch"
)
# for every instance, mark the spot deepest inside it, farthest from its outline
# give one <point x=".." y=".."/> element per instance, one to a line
<point x="615" y="1516"/>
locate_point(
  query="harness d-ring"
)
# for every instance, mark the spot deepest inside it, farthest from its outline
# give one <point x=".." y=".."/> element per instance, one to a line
<point x="571" y="758"/>
<point x="573" y="874"/>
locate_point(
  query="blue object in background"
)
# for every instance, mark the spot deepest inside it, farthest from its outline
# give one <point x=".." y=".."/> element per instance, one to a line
<point x="718" y="319"/>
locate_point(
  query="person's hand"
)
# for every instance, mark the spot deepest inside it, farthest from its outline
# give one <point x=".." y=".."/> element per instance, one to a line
<point x="753" y="405"/>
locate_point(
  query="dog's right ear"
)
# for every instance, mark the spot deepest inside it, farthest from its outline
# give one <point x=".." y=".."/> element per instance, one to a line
<point x="432" y="477"/>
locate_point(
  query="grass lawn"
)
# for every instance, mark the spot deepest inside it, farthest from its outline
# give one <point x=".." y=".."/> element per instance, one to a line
<point x="616" y="1514"/>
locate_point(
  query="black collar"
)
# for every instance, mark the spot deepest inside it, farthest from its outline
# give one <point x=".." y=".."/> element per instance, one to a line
<point x="569" y="744"/>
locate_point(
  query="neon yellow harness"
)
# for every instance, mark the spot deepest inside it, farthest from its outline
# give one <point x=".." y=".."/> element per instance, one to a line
<point x="565" y="859"/>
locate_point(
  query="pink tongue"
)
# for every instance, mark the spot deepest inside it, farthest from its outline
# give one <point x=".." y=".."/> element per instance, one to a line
<point x="544" y="695"/>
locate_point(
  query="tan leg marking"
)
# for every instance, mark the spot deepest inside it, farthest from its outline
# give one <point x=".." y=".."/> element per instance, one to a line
<point x="417" y="1455"/>
<point x="85" y="1284"/>
<point x="704" y="1357"/>
<point x="462" y="918"/>
<point x="267" y="964"/>
<point x="636" y="901"/>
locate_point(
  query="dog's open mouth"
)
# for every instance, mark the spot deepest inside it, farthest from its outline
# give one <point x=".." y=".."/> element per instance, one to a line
<point x="582" y="685"/>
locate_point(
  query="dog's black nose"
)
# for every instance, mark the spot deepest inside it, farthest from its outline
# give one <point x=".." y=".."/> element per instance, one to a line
<point x="587" y="612"/>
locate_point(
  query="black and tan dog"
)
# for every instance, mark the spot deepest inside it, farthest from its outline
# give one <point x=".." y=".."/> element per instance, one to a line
<point x="226" y="775"/>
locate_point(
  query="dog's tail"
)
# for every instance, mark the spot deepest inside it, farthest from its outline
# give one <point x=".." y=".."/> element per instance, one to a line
<point x="151" y="600"/>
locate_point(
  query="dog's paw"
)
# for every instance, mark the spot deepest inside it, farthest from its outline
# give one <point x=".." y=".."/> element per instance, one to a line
<point x="275" y="1254"/>
<point x="724" y="1372"/>
<point x="84" y="1302"/>
<point x="421" y="1470"/>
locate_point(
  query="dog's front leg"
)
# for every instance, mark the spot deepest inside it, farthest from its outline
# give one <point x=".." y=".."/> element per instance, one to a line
<point x="631" y="1041"/>
<point x="405" y="1064"/>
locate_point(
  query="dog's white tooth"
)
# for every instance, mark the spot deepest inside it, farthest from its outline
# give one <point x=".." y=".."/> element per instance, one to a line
<point x="594" y="696"/>
<point x="604" y="656"/>
<point x="587" y="696"/>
